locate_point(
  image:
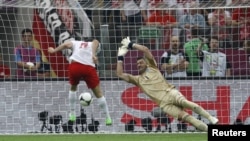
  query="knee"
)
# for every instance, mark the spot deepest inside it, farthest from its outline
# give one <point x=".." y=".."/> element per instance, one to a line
<point x="73" y="88"/>
<point x="182" y="116"/>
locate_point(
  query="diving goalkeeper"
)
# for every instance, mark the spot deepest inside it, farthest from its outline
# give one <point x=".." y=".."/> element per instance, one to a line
<point x="155" y="86"/>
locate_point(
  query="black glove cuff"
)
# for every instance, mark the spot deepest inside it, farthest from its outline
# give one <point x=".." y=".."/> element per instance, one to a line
<point x="130" y="45"/>
<point x="120" y="58"/>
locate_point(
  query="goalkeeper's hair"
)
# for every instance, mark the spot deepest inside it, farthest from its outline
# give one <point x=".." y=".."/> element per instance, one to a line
<point x="141" y="57"/>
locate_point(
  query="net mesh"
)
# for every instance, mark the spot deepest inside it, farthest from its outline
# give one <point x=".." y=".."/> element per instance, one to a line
<point x="224" y="94"/>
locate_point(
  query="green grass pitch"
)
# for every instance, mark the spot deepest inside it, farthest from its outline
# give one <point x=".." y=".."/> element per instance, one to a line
<point x="108" y="137"/>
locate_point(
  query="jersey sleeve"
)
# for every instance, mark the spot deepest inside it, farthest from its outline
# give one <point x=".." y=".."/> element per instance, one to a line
<point x="165" y="58"/>
<point x="152" y="63"/>
<point x="133" y="79"/>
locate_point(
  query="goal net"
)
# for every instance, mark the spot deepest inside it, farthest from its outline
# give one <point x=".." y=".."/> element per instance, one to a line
<point x="202" y="47"/>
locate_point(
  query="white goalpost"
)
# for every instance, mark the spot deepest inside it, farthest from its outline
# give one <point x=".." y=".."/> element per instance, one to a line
<point x="40" y="103"/>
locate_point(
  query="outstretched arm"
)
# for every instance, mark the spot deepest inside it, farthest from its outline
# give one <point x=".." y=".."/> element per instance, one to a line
<point x="119" y="68"/>
<point x="95" y="48"/>
<point x="67" y="44"/>
<point x="143" y="49"/>
<point x="120" y="73"/>
<point x="147" y="53"/>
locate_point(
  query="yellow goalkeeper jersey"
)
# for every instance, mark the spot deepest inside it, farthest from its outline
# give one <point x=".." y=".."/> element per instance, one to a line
<point x="152" y="82"/>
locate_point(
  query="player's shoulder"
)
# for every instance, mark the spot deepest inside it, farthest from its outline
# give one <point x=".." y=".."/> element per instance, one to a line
<point x="19" y="46"/>
<point x="222" y="54"/>
<point x="181" y="53"/>
<point x="89" y="39"/>
<point x="188" y="44"/>
<point x="165" y="53"/>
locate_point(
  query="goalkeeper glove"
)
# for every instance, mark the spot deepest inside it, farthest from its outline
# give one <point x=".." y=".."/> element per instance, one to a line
<point x="121" y="52"/>
<point x="127" y="43"/>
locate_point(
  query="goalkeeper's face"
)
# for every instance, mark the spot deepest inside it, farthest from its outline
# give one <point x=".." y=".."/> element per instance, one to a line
<point x="141" y="65"/>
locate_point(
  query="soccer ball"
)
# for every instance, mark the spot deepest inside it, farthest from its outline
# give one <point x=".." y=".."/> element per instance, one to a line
<point x="85" y="99"/>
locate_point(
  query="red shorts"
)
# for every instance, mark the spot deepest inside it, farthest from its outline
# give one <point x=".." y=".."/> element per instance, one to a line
<point x="78" y="71"/>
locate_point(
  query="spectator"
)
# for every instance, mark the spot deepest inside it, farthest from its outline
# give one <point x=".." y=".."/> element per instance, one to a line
<point x="194" y="68"/>
<point x="246" y="47"/>
<point x="25" y="53"/>
<point x="193" y="19"/>
<point x="162" y="18"/>
<point x="174" y="62"/>
<point x="149" y="6"/>
<point x="220" y="21"/>
<point x="131" y="15"/>
<point x="241" y="18"/>
<point x="4" y="69"/>
<point x="219" y="17"/>
<point x="107" y="5"/>
<point x="165" y="21"/>
<point x="214" y="62"/>
<point x="180" y="6"/>
<point x="44" y="69"/>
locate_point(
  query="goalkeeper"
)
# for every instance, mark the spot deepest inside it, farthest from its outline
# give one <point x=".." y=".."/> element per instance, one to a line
<point x="155" y="86"/>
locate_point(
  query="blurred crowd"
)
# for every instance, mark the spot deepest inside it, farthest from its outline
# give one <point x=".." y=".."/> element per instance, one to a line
<point x="194" y="37"/>
<point x="219" y="18"/>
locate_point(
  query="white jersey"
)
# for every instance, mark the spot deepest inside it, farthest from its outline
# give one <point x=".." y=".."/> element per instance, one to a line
<point x="214" y="64"/>
<point x="82" y="53"/>
<point x="170" y="58"/>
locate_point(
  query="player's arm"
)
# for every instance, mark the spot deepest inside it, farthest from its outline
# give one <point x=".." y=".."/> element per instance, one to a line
<point x="165" y="63"/>
<point x="130" y="45"/>
<point x="183" y="64"/>
<point x="148" y="55"/>
<point x="95" y="50"/>
<point x="95" y="46"/>
<point x="120" y="73"/>
<point x="119" y="68"/>
<point x="38" y="61"/>
<point x="19" y="61"/>
<point x="65" y="45"/>
<point x="143" y="49"/>
<point x="200" y="47"/>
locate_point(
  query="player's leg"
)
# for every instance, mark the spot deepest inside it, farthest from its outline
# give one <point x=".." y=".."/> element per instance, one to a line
<point x="199" y="110"/>
<point x="180" y="114"/>
<point x="74" y="79"/>
<point x="92" y="81"/>
<point x="184" y="116"/>
<point x="101" y="100"/>
<point x="183" y="102"/>
<point x="72" y="102"/>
